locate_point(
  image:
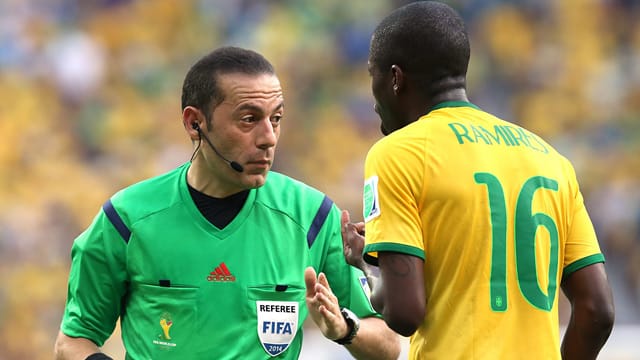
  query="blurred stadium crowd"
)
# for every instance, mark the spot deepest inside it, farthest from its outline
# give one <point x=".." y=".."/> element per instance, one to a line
<point x="91" y="104"/>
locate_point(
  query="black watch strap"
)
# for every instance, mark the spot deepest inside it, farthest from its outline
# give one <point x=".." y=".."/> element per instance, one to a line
<point x="353" y="323"/>
<point x="98" y="356"/>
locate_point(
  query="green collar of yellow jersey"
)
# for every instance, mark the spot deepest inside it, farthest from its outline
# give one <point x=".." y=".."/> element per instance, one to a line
<point x="453" y="104"/>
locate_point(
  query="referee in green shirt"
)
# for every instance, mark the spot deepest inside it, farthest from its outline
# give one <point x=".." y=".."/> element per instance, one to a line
<point x="220" y="258"/>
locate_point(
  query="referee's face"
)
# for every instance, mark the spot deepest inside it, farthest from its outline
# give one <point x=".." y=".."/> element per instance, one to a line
<point x="245" y="128"/>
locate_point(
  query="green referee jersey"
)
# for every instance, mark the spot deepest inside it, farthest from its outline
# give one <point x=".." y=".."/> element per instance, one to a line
<point x="185" y="289"/>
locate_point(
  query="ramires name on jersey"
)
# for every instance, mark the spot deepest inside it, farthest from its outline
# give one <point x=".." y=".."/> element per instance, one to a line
<point x="498" y="135"/>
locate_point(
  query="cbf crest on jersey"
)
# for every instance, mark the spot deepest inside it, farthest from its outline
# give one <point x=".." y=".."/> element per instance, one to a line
<point x="277" y="325"/>
<point x="370" y="201"/>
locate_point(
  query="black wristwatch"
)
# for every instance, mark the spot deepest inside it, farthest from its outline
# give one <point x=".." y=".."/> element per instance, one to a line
<point x="353" y="322"/>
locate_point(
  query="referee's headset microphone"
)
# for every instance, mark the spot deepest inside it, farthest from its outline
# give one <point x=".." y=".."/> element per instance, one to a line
<point x="234" y="165"/>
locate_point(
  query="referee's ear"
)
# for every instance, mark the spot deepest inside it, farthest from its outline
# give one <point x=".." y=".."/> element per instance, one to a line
<point x="193" y="121"/>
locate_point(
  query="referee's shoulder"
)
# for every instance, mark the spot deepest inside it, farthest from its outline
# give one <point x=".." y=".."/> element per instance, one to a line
<point x="147" y="196"/>
<point x="285" y="190"/>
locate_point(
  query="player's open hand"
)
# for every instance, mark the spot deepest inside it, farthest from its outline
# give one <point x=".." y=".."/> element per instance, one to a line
<point x="352" y="240"/>
<point x="323" y="306"/>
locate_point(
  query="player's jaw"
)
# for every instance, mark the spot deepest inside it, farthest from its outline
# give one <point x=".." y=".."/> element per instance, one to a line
<point x="384" y="119"/>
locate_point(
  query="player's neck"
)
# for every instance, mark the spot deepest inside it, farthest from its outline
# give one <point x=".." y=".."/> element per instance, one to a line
<point x="458" y="94"/>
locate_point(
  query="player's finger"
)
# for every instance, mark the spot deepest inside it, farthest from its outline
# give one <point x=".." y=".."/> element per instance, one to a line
<point x="347" y="229"/>
<point x="345" y="218"/>
<point x="345" y="221"/>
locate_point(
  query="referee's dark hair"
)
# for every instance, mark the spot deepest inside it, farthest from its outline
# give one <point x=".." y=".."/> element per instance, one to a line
<point x="200" y="87"/>
<point x="427" y="39"/>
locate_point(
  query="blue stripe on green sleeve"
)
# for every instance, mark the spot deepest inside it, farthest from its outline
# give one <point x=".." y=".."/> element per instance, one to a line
<point x="318" y="220"/>
<point x="116" y="220"/>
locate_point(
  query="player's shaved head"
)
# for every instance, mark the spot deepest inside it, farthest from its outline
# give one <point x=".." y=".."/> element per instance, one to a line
<point x="427" y="39"/>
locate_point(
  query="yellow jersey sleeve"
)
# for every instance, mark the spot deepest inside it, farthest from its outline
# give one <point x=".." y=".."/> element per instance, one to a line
<point x="393" y="185"/>
<point x="581" y="247"/>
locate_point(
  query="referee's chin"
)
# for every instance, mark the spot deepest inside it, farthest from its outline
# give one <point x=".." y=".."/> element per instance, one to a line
<point x="254" y="181"/>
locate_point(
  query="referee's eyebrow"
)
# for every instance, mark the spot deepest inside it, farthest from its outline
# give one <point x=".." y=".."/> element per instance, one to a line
<point x="280" y="106"/>
<point x="256" y="108"/>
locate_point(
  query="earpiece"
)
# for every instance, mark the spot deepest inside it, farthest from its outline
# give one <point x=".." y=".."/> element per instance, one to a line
<point x="234" y="165"/>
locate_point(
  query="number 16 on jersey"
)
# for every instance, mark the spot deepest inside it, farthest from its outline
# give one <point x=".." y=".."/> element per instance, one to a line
<point x="525" y="224"/>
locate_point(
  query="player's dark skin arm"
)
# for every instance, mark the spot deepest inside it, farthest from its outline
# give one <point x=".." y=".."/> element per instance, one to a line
<point x="592" y="312"/>
<point x="401" y="299"/>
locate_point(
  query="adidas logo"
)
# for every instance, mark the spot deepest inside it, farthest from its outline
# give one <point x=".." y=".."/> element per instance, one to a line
<point x="221" y="273"/>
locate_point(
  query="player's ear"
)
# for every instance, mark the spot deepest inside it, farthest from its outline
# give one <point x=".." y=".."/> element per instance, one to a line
<point x="397" y="79"/>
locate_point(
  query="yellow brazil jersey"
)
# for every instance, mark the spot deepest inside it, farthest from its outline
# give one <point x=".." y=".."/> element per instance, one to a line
<point x="497" y="216"/>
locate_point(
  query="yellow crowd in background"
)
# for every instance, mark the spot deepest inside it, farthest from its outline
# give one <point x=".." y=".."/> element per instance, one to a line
<point x="91" y="103"/>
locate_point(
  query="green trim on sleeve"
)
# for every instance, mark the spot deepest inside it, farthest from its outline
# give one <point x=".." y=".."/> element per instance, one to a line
<point x="579" y="264"/>
<point x="392" y="247"/>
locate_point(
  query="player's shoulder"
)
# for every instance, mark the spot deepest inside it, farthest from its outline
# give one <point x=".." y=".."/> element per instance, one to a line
<point x="552" y="156"/>
<point x="429" y="125"/>
<point x="403" y="143"/>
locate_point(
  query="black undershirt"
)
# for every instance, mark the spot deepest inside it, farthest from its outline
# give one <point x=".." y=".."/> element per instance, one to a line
<point x="219" y="211"/>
